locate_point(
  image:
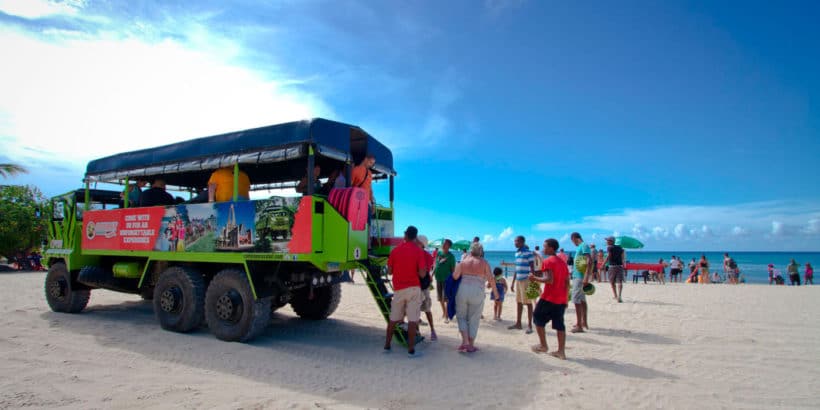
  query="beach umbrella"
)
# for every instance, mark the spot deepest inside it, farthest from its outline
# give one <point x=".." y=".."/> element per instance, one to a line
<point x="463" y="245"/>
<point x="436" y="243"/>
<point x="628" y="242"/>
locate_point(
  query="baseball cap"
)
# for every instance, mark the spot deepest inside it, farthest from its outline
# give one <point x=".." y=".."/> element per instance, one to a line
<point x="610" y="238"/>
<point x="422" y="239"/>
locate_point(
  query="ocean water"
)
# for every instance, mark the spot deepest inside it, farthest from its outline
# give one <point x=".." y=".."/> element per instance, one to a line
<point x="753" y="265"/>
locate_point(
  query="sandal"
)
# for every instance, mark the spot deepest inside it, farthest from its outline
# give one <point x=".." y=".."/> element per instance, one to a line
<point x="577" y="330"/>
<point x="471" y="349"/>
<point x="462" y="349"/>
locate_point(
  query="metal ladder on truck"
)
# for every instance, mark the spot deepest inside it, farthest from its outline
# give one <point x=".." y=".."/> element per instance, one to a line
<point x="382" y="290"/>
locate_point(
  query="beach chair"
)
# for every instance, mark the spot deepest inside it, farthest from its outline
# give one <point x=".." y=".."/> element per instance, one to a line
<point x="640" y="274"/>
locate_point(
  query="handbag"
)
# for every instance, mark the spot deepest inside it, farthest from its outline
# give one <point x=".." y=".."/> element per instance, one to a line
<point x="425" y="282"/>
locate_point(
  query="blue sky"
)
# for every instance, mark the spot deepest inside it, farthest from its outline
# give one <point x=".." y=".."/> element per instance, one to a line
<point x="692" y="125"/>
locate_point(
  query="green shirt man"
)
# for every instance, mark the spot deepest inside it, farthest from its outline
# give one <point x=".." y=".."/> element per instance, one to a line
<point x="445" y="265"/>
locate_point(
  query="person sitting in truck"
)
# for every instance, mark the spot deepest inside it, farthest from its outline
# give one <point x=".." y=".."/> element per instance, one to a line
<point x="220" y="185"/>
<point x="302" y="187"/>
<point x="156" y="195"/>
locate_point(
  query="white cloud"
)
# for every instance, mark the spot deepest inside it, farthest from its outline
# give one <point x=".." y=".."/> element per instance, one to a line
<point x="506" y="233"/>
<point x="778" y="229"/>
<point x="706" y="230"/>
<point x="812" y="227"/>
<point x="772" y="224"/>
<point x="659" y="232"/>
<point x="87" y="97"/>
<point x="39" y="8"/>
<point x="443" y="96"/>
<point x="500" y="238"/>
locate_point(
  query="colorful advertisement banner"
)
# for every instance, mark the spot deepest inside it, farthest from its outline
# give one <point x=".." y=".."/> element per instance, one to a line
<point x="244" y="226"/>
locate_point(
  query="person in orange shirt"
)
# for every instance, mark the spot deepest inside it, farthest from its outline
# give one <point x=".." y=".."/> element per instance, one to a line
<point x="362" y="177"/>
<point x="220" y="185"/>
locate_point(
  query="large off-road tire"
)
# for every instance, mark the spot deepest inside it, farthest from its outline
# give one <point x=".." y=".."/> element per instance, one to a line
<point x="230" y="309"/>
<point x="324" y="303"/>
<point x="179" y="299"/>
<point x="60" y="294"/>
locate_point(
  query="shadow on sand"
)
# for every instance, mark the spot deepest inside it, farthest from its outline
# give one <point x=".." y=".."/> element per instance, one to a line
<point x="329" y="353"/>
<point x="637" y="337"/>
<point x="624" y="369"/>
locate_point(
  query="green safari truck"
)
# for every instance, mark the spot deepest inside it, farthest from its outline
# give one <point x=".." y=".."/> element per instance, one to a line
<point x="228" y="264"/>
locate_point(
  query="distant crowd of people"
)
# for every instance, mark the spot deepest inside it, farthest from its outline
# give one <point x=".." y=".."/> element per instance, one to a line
<point x="793" y="269"/>
<point x="21" y="261"/>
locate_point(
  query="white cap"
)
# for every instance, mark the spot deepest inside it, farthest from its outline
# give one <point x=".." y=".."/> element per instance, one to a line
<point x="422" y="239"/>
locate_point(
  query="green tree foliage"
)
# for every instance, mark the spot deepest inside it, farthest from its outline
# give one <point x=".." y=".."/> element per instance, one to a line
<point x="11" y="169"/>
<point x="20" y="227"/>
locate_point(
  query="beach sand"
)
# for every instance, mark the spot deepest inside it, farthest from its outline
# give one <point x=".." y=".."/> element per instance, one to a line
<point x="673" y="346"/>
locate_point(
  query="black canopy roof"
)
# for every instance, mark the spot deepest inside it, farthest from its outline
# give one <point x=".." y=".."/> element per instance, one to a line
<point x="268" y="154"/>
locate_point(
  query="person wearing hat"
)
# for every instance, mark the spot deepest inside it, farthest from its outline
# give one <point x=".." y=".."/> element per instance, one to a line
<point x="407" y="265"/>
<point x="615" y="261"/>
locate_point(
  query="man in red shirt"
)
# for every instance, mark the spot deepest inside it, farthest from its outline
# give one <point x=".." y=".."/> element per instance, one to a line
<point x="553" y="301"/>
<point x="407" y="264"/>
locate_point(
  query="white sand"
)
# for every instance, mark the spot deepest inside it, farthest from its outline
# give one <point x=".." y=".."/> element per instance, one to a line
<point x="674" y="346"/>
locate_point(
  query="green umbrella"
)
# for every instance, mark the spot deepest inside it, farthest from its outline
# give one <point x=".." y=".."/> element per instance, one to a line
<point x="628" y="242"/>
<point x="436" y="243"/>
<point x="463" y="245"/>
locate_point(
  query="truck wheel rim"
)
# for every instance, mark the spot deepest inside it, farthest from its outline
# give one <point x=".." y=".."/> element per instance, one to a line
<point x="171" y="299"/>
<point x="229" y="306"/>
<point x="57" y="288"/>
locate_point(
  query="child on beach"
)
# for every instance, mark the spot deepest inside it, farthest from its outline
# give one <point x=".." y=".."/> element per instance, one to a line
<point x="501" y="286"/>
<point x="775" y="276"/>
<point x="809" y="274"/>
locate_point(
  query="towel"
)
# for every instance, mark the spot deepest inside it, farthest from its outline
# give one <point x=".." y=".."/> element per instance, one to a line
<point x="450" y="291"/>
